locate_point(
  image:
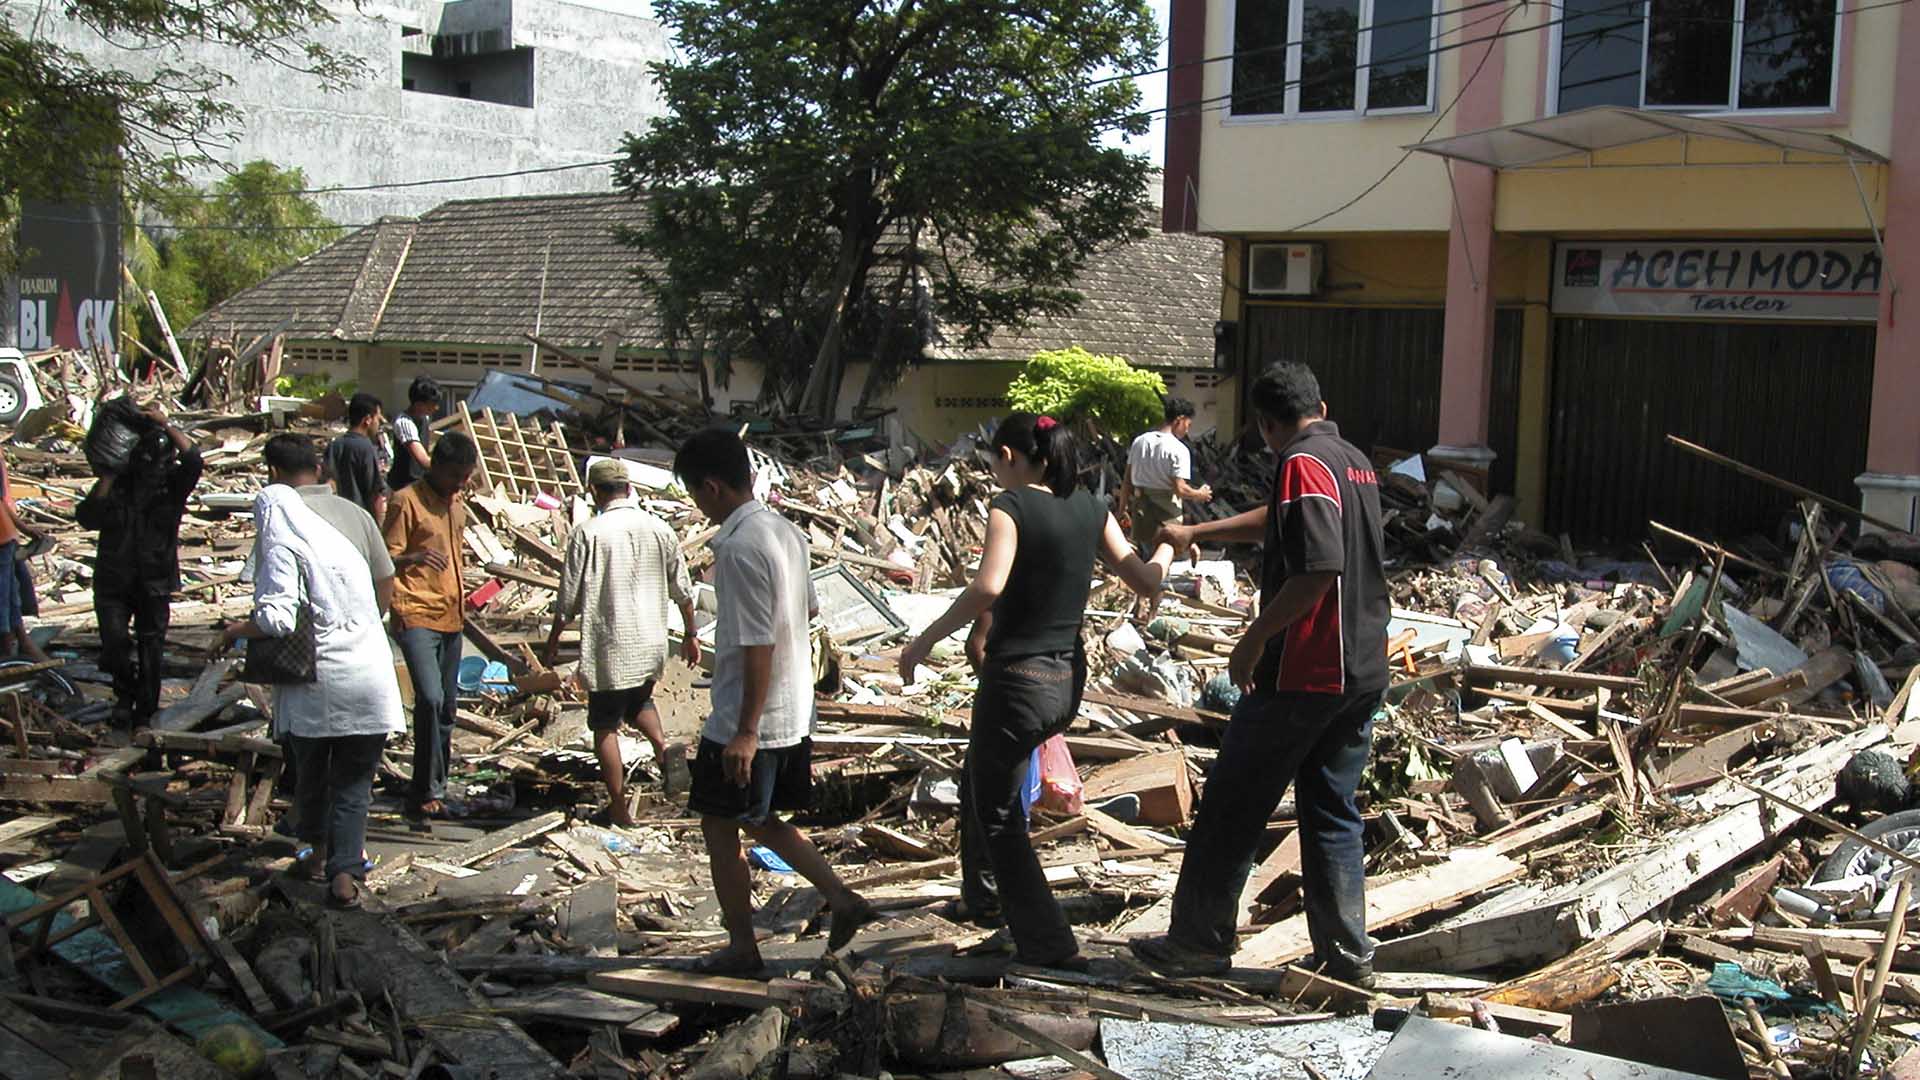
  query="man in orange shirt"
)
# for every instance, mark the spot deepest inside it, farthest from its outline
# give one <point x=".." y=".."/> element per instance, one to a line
<point x="423" y="532"/>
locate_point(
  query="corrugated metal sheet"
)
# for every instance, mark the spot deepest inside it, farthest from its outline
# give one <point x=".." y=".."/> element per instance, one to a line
<point x="1379" y="370"/>
<point x="1790" y="399"/>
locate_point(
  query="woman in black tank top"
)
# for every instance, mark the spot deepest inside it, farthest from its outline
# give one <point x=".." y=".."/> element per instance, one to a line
<point x="1043" y="534"/>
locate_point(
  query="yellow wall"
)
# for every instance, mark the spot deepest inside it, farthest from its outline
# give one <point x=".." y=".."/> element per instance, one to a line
<point x="1769" y="200"/>
<point x="1268" y="176"/>
<point x="1396" y="269"/>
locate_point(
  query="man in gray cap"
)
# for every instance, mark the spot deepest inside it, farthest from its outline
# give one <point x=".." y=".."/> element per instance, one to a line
<point x="621" y="569"/>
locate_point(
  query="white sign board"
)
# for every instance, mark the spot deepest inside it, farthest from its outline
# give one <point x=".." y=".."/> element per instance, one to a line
<point x="1714" y="280"/>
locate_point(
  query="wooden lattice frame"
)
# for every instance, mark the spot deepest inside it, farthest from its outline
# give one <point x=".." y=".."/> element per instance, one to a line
<point x="521" y="461"/>
<point x="34" y="926"/>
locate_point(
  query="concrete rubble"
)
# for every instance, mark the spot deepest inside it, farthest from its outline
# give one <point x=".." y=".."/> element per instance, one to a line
<point x="1606" y="792"/>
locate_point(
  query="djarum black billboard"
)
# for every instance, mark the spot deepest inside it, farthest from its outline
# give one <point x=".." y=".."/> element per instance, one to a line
<point x="69" y="276"/>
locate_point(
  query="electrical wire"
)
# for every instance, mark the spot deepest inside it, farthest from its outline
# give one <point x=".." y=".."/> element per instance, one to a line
<point x="1406" y="154"/>
<point x="1198" y="106"/>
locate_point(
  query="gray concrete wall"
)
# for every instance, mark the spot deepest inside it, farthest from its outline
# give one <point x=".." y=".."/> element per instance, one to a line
<point x="590" y="86"/>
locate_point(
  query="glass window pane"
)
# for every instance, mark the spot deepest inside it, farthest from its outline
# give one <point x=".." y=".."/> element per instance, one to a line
<point x="1329" y="52"/>
<point x="1786" y="54"/>
<point x="1600" y="53"/>
<point x="1690" y="53"/>
<point x="1402" y="37"/>
<point x="1259" y="57"/>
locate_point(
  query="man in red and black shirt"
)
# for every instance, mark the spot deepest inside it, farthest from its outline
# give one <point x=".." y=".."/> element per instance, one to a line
<point x="1312" y="669"/>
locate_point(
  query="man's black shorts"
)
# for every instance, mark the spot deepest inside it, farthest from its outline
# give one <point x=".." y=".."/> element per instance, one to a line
<point x="608" y="709"/>
<point x="782" y="780"/>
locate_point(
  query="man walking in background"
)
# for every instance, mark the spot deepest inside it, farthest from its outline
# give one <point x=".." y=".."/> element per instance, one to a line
<point x="291" y="461"/>
<point x="620" y="570"/>
<point x="1159" y="471"/>
<point x="755" y="756"/>
<point x="353" y="462"/>
<point x="423" y="532"/>
<point x="410" y="460"/>
<point x="137" y="568"/>
<point x="1313" y="670"/>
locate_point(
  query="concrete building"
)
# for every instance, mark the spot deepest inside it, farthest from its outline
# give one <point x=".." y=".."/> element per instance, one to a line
<point x="450" y="89"/>
<point x="457" y="292"/>
<point x="1541" y="238"/>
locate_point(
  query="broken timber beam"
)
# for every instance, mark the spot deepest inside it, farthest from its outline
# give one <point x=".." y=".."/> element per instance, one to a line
<point x="1568" y="917"/>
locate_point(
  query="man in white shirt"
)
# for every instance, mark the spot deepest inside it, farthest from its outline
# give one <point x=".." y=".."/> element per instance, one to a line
<point x="621" y="569"/>
<point x="1159" y="468"/>
<point x="756" y="750"/>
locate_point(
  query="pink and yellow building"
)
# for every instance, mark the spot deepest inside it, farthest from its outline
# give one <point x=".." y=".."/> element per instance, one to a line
<point x="1538" y="238"/>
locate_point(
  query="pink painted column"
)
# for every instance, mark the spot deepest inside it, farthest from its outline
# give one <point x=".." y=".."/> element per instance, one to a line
<point x="1466" y="368"/>
<point x="1890" y="488"/>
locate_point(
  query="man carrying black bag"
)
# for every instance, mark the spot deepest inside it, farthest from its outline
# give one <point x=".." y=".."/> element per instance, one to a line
<point x="137" y="509"/>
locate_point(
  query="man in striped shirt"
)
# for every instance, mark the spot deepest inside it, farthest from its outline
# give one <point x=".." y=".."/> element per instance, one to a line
<point x="621" y="569"/>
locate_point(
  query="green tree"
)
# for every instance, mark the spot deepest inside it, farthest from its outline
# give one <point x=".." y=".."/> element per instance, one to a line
<point x="72" y="127"/>
<point x="212" y="243"/>
<point x="1073" y="384"/>
<point x="833" y="178"/>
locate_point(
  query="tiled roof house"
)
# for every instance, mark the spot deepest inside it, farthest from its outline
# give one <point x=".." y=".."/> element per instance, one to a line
<point x="457" y="290"/>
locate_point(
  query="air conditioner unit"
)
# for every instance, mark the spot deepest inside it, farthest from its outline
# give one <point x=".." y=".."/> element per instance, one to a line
<point x="1283" y="269"/>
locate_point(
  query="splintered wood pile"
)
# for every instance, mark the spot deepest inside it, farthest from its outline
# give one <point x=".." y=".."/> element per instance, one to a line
<point x="1616" y="805"/>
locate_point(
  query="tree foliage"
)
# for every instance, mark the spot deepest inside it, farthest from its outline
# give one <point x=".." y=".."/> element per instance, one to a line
<point x="1073" y="384"/>
<point x="218" y="241"/>
<point x="835" y="179"/>
<point x="72" y="127"/>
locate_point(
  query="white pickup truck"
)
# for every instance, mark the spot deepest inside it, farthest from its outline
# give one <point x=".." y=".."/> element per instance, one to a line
<point x="19" y="390"/>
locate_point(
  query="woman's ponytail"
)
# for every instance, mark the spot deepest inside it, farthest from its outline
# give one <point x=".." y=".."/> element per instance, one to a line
<point x="1048" y="443"/>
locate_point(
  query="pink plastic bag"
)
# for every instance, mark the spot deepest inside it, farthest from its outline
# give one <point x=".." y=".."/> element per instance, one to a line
<point x="1060" y="786"/>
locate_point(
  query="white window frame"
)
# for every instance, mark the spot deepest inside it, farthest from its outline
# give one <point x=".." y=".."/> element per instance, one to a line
<point x="1363" y="56"/>
<point x="1556" y="47"/>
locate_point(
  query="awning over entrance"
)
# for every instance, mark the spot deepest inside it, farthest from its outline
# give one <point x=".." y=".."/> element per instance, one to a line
<point x="1607" y="127"/>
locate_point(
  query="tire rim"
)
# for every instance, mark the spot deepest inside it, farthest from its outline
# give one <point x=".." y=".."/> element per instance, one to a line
<point x="1879" y="864"/>
<point x="9" y="399"/>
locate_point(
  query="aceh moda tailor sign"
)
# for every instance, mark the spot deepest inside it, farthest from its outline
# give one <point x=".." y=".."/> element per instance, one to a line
<point x="1804" y="280"/>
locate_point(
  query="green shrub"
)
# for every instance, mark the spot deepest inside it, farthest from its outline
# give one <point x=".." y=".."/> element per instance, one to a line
<point x="1073" y="384"/>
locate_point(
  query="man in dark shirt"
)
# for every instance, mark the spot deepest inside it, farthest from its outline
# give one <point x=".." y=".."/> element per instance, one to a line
<point x="353" y="462"/>
<point x="1312" y="669"/>
<point x="137" y="570"/>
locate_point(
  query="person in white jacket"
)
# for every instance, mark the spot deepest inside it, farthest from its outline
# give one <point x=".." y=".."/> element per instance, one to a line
<point x="338" y="724"/>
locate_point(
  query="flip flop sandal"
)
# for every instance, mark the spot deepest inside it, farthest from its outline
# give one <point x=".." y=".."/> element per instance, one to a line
<point x="306" y="865"/>
<point x="351" y="903"/>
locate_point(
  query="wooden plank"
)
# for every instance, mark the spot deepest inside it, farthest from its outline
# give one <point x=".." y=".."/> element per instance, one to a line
<point x="1122" y="834"/>
<point x="654" y="984"/>
<point x="1161" y="781"/>
<point x="1150" y="707"/>
<point x="500" y="840"/>
<point x="54" y="790"/>
<point x="452" y="1015"/>
<point x="96" y="954"/>
<point x="1785" y="485"/>
<point x="27" y="825"/>
<point x="1744" y="898"/>
<point x="1283" y="861"/>
<point x="1467" y="872"/>
<point x="1822" y="669"/>
<point x="241" y="975"/>
<point x="574" y="1005"/>
<point x="591" y="913"/>
<point x="1522" y="837"/>
<point x="1489" y="674"/>
<point x="1565" y="918"/>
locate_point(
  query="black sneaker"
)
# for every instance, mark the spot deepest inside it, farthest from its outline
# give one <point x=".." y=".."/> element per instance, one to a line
<point x="1169" y="957"/>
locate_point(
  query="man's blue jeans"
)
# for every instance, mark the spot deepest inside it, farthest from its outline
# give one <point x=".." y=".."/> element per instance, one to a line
<point x="433" y="663"/>
<point x="1319" y="742"/>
